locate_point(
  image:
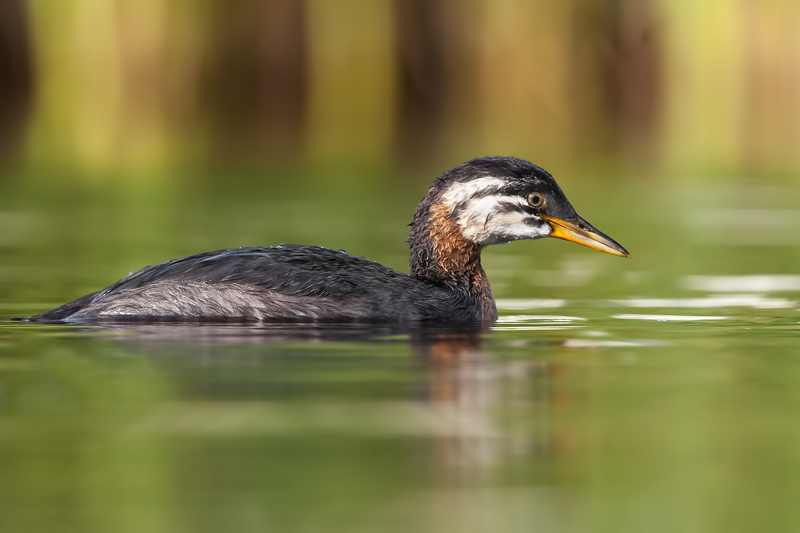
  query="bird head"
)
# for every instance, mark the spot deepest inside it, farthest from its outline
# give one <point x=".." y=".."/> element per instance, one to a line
<point x="493" y="200"/>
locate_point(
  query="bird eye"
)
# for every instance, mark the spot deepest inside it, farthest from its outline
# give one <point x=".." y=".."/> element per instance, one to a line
<point x="535" y="199"/>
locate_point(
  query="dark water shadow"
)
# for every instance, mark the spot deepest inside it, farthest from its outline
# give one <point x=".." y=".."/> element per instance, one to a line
<point x="228" y="333"/>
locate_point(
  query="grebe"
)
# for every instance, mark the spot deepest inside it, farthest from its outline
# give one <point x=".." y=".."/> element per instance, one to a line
<point x="489" y="200"/>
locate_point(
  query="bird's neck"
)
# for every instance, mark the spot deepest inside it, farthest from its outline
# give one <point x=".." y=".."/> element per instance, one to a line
<point x="441" y="254"/>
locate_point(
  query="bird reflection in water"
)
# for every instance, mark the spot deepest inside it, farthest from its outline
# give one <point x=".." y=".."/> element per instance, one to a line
<point x="478" y="416"/>
<point x="464" y="387"/>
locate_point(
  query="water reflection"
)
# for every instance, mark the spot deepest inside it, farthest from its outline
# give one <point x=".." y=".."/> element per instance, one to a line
<point x="594" y="343"/>
<point x="537" y="323"/>
<point x="670" y="318"/>
<point x="246" y="427"/>
<point x="464" y="396"/>
<point x="751" y="227"/>
<point x="529" y="303"/>
<point x="260" y="420"/>
<point x="240" y="333"/>
<point x="754" y="301"/>
<point x="753" y="283"/>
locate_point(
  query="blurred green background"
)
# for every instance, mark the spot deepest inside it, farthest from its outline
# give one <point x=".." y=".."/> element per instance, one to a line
<point x="137" y="90"/>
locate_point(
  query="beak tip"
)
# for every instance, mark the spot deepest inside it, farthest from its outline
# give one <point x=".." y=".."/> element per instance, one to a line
<point x="571" y="231"/>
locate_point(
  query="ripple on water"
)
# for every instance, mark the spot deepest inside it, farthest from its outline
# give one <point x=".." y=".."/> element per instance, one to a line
<point x="537" y="322"/>
<point x="529" y="303"/>
<point x="755" y="301"/>
<point x="594" y="343"/>
<point x="757" y="283"/>
<point x="538" y="318"/>
<point x="670" y="318"/>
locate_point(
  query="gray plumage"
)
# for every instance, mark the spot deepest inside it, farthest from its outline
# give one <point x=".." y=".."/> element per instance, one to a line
<point x="286" y="282"/>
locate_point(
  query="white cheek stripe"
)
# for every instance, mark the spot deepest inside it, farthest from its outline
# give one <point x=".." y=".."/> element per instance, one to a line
<point x="479" y="210"/>
<point x="461" y="192"/>
<point x="481" y="222"/>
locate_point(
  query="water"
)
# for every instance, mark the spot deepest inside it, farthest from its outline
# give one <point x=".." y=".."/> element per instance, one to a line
<point x="658" y="393"/>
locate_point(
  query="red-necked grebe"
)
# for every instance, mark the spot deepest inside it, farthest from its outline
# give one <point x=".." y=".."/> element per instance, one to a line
<point x="489" y="200"/>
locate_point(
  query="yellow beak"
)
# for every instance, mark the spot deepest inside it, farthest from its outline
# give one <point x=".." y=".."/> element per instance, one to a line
<point x="580" y="231"/>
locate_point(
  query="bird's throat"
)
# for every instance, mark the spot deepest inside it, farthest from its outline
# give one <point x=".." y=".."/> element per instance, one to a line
<point x="443" y="255"/>
<point x="452" y="253"/>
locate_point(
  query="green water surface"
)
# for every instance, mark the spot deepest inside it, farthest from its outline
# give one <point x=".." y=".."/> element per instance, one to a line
<point x="658" y="394"/>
